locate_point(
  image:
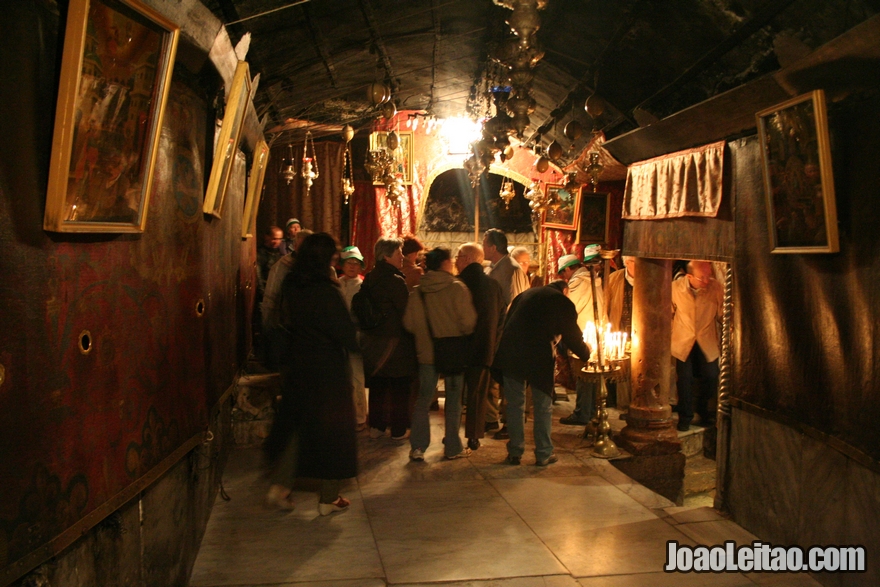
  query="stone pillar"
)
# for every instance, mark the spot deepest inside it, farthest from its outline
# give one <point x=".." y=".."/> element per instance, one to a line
<point x="650" y="429"/>
<point x="650" y="436"/>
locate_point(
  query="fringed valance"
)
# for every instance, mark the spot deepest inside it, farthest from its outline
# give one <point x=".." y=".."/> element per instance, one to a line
<point x="686" y="183"/>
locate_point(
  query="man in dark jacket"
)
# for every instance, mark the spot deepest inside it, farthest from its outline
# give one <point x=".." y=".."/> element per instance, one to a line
<point x="389" y="351"/>
<point x="489" y="303"/>
<point x="525" y="355"/>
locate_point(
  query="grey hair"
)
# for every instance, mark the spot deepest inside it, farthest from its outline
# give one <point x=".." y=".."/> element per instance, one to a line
<point x="385" y="247"/>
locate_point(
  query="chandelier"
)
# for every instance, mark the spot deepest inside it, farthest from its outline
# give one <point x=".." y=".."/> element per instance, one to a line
<point x="287" y="171"/>
<point x="594" y="169"/>
<point x="309" y="170"/>
<point x="536" y="197"/>
<point x="381" y="164"/>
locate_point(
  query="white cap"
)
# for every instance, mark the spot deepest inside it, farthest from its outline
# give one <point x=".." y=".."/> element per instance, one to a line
<point x="351" y="253"/>
<point x="567" y="261"/>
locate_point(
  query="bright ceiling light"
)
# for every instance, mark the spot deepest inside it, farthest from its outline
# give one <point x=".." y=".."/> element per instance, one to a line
<point x="459" y="133"/>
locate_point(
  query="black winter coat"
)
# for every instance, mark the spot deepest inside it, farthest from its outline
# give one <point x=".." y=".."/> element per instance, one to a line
<point x="316" y="384"/>
<point x="388" y="350"/>
<point x="535" y="318"/>
<point x="489" y="303"/>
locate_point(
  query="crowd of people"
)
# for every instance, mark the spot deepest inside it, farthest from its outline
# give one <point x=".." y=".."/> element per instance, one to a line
<point x="473" y="316"/>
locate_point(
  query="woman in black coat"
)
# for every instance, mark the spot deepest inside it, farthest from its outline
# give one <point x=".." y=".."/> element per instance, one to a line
<point x="314" y="430"/>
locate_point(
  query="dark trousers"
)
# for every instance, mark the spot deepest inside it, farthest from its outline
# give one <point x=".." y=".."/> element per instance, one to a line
<point x="694" y="396"/>
<point x="477" y="381"/>
<point x="389" y="403"/>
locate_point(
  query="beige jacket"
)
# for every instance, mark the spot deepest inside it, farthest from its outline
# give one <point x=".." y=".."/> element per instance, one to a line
<point x="510" y="275"/>
<point x="695" y="314"/>
<point x="615" y="298"/>
<point x="581" y="293"/>
<point x="450" y="307"/>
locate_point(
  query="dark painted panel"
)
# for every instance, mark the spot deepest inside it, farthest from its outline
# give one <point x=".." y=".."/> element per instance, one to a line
<point x="806" y="326"/>
<point x="76" y="429"/>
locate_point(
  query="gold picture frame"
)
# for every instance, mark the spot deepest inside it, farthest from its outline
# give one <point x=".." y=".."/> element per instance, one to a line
<point x="403" y="154"/>
<point x="228" y="139"/>
<point x="111" y="101"/>
<point x="255" y="189"/>
<point x="594" y="218"/>
<point x="798" y="178"/>
<point x="563" y="216"/>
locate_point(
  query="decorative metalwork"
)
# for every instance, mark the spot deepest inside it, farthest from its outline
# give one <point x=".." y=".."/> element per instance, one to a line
<point x="594" y="169"/>
<point x="309" y="170"/>
<point x="536" y="197"/>
<point x="722" y="447"/>
<point x="288" y="171"/>
<point x="507" y="193"/>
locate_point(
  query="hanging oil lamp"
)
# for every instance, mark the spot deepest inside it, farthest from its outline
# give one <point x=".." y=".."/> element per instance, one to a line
<point x="309" y="170"/>
<point x="287" y="171"/>
<point x="347" y="170"/>
<point x="594" y="169"/>
<point x="507" y="193"/>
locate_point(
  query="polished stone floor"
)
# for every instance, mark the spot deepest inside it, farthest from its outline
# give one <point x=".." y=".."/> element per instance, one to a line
<point x="466" y="523"/>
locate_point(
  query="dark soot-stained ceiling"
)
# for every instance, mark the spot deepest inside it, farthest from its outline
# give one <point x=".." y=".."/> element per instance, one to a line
<point x="646" y="59"/>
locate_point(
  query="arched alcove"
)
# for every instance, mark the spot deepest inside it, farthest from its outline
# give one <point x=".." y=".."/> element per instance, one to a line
<point x="447" y="212"/>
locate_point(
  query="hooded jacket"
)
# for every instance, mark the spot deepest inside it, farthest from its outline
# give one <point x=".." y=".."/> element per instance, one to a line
<point x="450" y="309"/>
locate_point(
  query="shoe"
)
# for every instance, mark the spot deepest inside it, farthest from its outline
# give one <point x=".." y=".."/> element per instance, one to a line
<point x="417" y="454"/>
<point x="490" y="426"/>
<point x="572" y="420"/>
<point x="403" y="436"/>
<point x="683" y="426"/>
<point x="280" y="498"/>
<point x="502" y="434"/>
<point x="473" y="443"/>
<point x="512" y="460"/>
<point x="376" y="433"/>
<point x="340" y="505"/>
<point x="548" y="461"/>
<point x="465" y="453"/>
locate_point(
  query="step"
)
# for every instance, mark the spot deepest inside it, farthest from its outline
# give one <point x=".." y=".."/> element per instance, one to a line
<point x="699" y="475"/>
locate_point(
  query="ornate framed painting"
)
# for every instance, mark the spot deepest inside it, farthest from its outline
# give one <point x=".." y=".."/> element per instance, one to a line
<point x="594" y="218"/>
<point x="255" y="189"/>
<point x="798" y="179"/>
<point x="403" y="154"/>
<point x="115" y="76"/>
<point x="564" y="208"/>
<point x="227" y="141"/>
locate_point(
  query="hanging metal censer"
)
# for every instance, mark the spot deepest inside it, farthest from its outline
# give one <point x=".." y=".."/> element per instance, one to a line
<point x="507" y="193"/>
<point x="287" y="171"/>
<point x="309" y="170"/>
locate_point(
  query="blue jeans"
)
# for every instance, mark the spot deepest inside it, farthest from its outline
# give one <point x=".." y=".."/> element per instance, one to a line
<point x="420" y="434"/>
<point x="542" y="404"/>
<point x="583" y="410"/>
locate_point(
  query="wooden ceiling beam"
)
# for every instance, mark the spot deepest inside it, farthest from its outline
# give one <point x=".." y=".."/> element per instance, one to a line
<point x="378" y="42"/>
<point x="320" y="45"/>
<point x="763" y="17"/>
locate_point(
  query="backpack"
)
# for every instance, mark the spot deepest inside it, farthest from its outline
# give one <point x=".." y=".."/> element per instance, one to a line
<point x="368" y="312"/>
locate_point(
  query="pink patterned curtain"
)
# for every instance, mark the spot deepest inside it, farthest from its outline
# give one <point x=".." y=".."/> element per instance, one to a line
<point x="686" y="183"/>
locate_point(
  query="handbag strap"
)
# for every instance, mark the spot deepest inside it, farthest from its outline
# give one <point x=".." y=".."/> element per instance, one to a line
<point x="427" y="317"/>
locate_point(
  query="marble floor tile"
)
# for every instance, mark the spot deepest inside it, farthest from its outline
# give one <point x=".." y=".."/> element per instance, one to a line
<point x="716" y="532"/>
<point x="547" y="581"/>
<point x="464" y="531"/>
<point x="683" y="515"/>
<point x="783" y="579"/>
<point x="597" y="530"/>
<point x="668" y="580"/>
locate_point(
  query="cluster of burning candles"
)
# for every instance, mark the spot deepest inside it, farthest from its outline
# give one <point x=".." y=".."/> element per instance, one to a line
<point x="613" y="343"/>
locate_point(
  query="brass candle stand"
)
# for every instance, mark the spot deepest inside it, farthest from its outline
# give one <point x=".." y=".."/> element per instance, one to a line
<point x="598" y="431"/>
